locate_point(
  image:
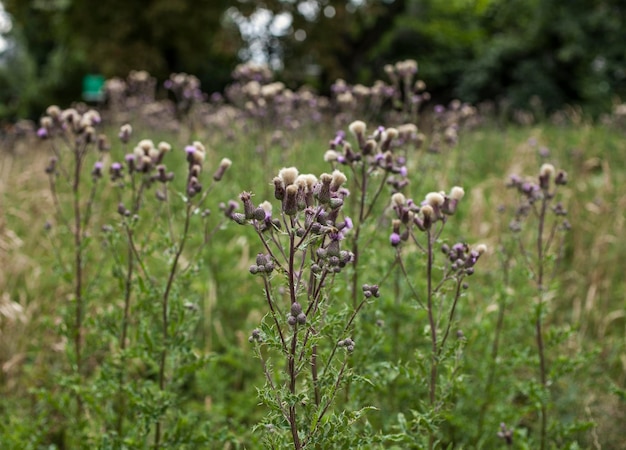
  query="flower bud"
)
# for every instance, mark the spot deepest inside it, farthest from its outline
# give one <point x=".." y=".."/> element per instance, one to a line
<point x="222" y="168"/>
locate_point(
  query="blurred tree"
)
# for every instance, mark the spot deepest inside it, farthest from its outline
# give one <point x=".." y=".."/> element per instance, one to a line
<point x="332" y="37"/>
<point x="67" y="38"/>
<point x="562" y="51"/>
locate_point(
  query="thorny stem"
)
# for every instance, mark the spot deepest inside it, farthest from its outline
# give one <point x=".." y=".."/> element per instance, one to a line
<point x="78" y="276"/>
<point x="538" y="322"/>
<point x="292" y="389"/>
<point x="125" y="320"/>
<point x="357" y="232"/>
<point x="457" y="295"/>
<point x="270" y="302"/>
<point x="364" y="213"/>
<point x="164" y="318"/>
<point x="290" y="271"/>
<point x="433" y="331"/>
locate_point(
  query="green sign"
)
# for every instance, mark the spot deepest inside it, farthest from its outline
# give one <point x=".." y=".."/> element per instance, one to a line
<point x="93" y="88"/>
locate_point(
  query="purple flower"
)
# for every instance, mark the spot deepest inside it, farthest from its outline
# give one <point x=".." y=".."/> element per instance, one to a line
<point x="42" y="133"/>
<point x="335" y="236"/>
<point x="394" y="239"/>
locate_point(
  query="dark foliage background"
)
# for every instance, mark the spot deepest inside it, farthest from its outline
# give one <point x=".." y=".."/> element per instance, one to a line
<point x="519" y="53"/>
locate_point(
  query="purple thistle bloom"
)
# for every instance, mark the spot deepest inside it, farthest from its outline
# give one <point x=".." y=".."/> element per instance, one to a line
<point x="349" y="224"/>
<point x="42" y="133"/>
<point x="394" y="239"/>
<point x="335" y="236"/>
<point x="403" y="171"/>
<point x="190" y="149"/>
<point x="116" y="166"/>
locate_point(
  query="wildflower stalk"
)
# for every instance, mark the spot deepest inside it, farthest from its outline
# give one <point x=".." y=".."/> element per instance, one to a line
<point x="164" y="312"/>
<point x="78" y="268"/>
<point x="539" y="316"/>
<point x="430" y="218"/>
<point x="303" y="246"/>
<point x="78" y="134"/>
<point x="431" y="319"/>
<point x="538" y="198"/>
<point x="121" y="402"/>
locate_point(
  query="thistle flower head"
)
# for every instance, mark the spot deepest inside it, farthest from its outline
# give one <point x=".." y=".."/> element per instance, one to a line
<point x="288" y="175"/>
<point x="125" y="132"/>
<point x="290" y="202"/>
<point x="547" y="170"/>
<point x="145" y="145"/>
<point x="434" y="199"/>
<point x="225" y="164"/>
<point x="331" y="156"/>
<point x="398" y="199"/>
<point x="338" y="179"/>
<point x="357" y="128"/>
<point x="53" y="111"/>
<point x="481" y="248"/>
<point x="306" y="181"/>
<point x="164" y="147"/>
<point x="457" y="193"/>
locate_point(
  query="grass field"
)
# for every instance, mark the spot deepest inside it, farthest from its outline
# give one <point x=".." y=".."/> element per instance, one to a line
<point x="158" y="355"/>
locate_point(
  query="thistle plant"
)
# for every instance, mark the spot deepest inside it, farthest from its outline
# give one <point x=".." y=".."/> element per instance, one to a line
<point x="422" y="225"/>
<point x="543" y="219"/>
<point x="73" y="140"/>
<point x="171" y="357"/>
<point x="377" y="161"/>
<point x="146" y="259"/>
<point x="409" y="93"/>
<point x="303" y="252"/>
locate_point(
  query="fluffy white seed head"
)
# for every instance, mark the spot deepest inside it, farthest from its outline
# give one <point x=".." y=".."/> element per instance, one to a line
<point x="398" y="199"/>
<point x="338" y="178"/>
<point x="307" y="181"/>
<point x="427" y="211"/>
<point x="164" y="147"/>
<point x="435" y="199"/>
<point x="481" y="248"/>
<point x="391" y="133"/>
<point x="331" y="156"/>
<point x="457" y="193"/>
<point x="145" y="145"/>
<point x="288" y="175"/>
<point x="357" y="127"/>
<point x="547" y="170"/>
<point x="199" y="146"/>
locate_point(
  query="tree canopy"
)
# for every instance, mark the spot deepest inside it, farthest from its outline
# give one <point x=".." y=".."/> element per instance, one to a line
<point x="562" y="51"/>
